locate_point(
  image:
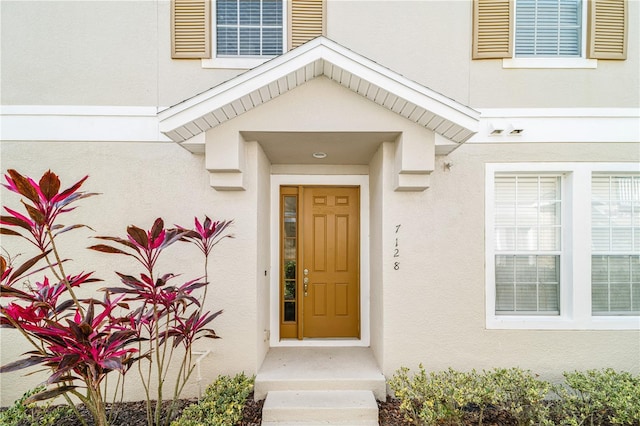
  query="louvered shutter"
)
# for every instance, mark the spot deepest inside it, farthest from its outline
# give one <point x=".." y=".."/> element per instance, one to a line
<point x="608" y="29"/>
<point x="492" y="29"/>
<point x="190" y="29"/>
<point x="307" y="21"/>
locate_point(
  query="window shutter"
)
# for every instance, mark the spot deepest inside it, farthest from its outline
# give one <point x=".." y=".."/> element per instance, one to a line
<point x="190" y="29"/>
<point x="307" y="21"/>
<point x="608" y="29"/>
<point x="492" y="29"/>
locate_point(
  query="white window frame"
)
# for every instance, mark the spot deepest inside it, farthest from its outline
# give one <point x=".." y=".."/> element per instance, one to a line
<point x="581" y="62"/>
<point x="575" y="258"/>
<point x="242" y="62"/>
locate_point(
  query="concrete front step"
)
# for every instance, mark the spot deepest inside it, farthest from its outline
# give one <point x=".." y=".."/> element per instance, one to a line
<point x="319" y="368"/>
<point x="311" y="408"/>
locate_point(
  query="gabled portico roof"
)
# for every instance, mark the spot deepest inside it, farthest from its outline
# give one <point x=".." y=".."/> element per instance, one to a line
<point x="320" y="57"/>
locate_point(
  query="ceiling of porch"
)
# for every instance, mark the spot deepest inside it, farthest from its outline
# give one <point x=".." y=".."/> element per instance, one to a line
<point x="341" y="148"/>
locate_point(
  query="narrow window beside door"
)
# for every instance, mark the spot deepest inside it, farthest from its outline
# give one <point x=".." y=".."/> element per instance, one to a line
<point x="289" y="262"/>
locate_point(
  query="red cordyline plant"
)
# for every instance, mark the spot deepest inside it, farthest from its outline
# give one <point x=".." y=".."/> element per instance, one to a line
<point x="83" y="340"/>
<point x="165" y="311"/>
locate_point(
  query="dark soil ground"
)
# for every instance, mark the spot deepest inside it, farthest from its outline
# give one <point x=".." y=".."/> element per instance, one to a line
<point x="134" y="414"/>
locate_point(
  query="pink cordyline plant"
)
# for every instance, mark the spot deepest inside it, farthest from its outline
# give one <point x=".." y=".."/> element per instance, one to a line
<point x="206" y="236"/>
<point x="164" y="313"/>
<point x="40" y="313"/>
<point x="83" y="340"/>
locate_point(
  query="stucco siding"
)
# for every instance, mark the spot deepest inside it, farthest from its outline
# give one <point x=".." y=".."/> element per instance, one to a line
<point x="434" y="306"/>
<point x="83" y="82"/>
<point x="139" y="182"/>
<point x="117" y="53"/>
<point x="79" y="53"/>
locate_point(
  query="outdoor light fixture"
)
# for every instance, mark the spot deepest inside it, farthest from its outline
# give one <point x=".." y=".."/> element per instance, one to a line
<point x="501" y="128"/>
<point x="319" y="155"/>
<point x="495" y="129"/>
<point x="515" y="130"/>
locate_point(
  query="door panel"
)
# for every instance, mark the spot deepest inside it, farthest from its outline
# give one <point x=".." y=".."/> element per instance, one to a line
<point x="330" y="241"/>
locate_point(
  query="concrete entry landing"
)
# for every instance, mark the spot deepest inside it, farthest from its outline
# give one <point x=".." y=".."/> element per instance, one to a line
<point x="320" y="385"/>
<point x="320" y="368"/>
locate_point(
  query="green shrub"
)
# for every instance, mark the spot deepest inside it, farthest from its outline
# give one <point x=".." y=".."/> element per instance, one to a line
<point x="598" y="397"/>
<point x="445" y="397"/>
<point x="221" y="405"/>
<point x="594" y="397"/>
<point x="440" y="397"/>
<point x="33" y="414"/>
<point x="521" y="394"/>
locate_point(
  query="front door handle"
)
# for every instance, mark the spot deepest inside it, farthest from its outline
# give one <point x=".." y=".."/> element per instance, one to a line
<point x="305" y="282"/>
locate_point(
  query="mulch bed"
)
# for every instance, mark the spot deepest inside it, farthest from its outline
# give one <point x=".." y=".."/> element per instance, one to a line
<point x="134" y="414"/>
<point x="389" y="415"/>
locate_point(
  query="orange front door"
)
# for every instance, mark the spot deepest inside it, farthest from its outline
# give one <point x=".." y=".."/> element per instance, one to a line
<point x="330" y="262"/>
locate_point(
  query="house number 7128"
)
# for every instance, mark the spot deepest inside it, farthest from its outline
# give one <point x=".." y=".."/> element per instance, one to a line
<point x="396" y="251"/>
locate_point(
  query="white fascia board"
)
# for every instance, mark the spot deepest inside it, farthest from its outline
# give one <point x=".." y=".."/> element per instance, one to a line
<point x="236" y="88"/>
<point x="239" y="86"/>
<point x="402" y="87"/>
<point x="318" y="49"/>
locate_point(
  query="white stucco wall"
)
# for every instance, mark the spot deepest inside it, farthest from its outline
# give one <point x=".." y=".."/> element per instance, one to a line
<point x="378" y="175"/>
<point x="139" y="182"/>
<point x="118" y="53"/>
<point x="434" y="310"/>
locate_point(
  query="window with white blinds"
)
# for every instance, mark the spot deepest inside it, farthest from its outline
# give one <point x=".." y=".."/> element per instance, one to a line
<point x="562" y="246"/>
<point x="249" y="28"/>
<point x="615" y="244"/>
<point x="528" y="228"/>
<point x="548" y="28"/>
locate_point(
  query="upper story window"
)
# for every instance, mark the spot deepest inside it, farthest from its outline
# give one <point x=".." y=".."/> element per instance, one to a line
<point x="550" y="33"/>
<point x="242" y="34"/>
<point x="249" y="27"/>
<point x="548" y="28"/>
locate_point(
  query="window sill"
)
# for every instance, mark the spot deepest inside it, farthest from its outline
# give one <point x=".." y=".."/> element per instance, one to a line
<point x="562" y="323"/>
<point x="243" y="63"/>
<point x="550" y="63"/>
